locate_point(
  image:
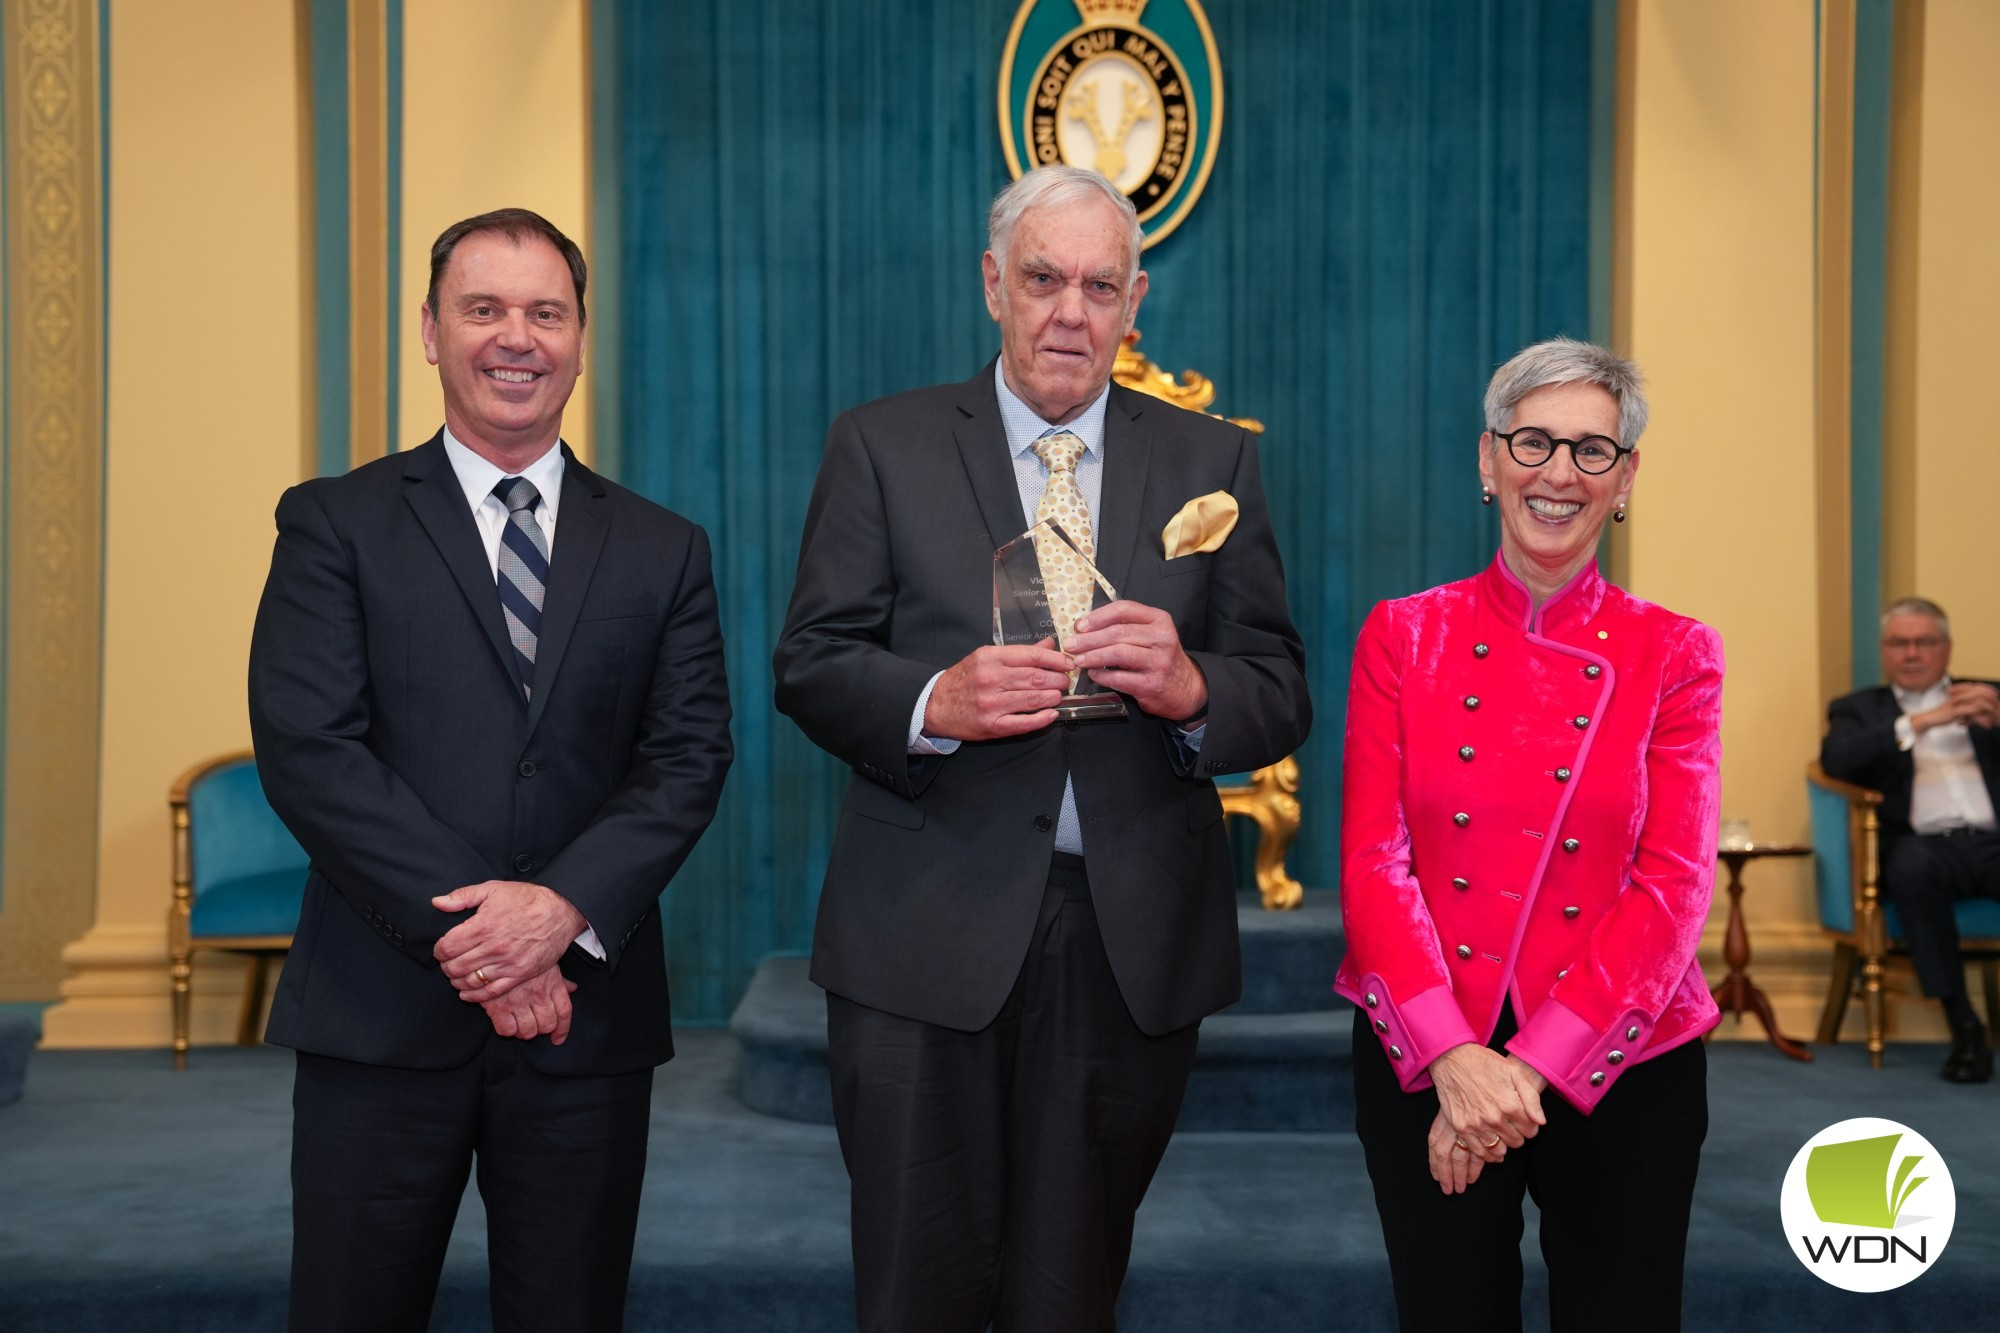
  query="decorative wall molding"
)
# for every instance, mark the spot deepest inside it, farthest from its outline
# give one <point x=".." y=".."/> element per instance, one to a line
<point x="54" y="433"/>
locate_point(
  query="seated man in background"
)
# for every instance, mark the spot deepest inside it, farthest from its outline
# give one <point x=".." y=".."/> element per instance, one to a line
<point x="1928" y="743"/>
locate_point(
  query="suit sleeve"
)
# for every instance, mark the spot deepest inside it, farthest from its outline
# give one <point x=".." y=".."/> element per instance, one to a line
<point x="1640" y="951"/>
<point x="365" y="830"/>
<point x="1860" y="744"/>
<point x="836" y="676"/>
<point x="1258" y="708"/>
<point x="1392" y="942"/>
<point x="614" y="870"/>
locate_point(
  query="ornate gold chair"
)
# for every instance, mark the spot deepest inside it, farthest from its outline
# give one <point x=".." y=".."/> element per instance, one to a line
<point x="1846" y="828"/>
<point x="239" y="876"/>
<point x="1270" y="796"/>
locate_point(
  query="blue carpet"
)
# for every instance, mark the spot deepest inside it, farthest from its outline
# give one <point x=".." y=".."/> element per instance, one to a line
<point x="134" y="1199"/>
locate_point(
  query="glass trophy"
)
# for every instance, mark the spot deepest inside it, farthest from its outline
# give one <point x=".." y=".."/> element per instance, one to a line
<point x="1022" y="614"/>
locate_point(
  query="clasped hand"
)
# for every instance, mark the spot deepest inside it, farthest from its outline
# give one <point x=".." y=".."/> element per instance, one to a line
<point x="503" y="957"/>
<point x="1972" y="702"/>
<point x="1014" y="689"/>
<point x="1487" y="1103"/>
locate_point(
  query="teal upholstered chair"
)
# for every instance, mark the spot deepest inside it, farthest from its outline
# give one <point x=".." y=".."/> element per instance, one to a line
<point x="1846" y="829"/>
<point x="239" y="876"/>
<point x="1269" y="798"/>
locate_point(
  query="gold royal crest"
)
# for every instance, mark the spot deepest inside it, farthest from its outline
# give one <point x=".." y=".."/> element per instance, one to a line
<point x="1112" y="95"/>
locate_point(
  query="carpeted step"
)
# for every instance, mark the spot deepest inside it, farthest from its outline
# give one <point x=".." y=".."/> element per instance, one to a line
<point x="1289" y="958"/>
<point x="1253" y="1072"/>
<point x="17" y="1038"/>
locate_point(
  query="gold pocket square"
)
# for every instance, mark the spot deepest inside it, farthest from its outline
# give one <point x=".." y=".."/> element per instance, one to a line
<point x="1203" y="524"/>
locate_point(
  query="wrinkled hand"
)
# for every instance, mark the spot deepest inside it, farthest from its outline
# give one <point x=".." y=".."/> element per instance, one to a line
<point x="539" y="1004"/>
<point x="1452" y="1167"/>
<point x="1970" y="702"/>
<point x="998" y="691"/>
<point x="516" y="932"/>
<point x="1134" y="649"/>
<point x="1492" y="1102"/>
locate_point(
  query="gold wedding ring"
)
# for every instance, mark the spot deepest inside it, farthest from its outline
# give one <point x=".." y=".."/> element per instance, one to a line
<point x="1495" y="1143"/>
<point x="1461" y="1145"/>
<point x="479" y="974"/>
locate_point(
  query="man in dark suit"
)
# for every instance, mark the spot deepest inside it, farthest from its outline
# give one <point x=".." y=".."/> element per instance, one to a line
<point x="487" y="694"/>
<point x="1928" y="743"/>
<point x="1023" y="923"/>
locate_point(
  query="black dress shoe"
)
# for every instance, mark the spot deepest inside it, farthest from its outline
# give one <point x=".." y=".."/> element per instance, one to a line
<point x="1971" y="1058"/>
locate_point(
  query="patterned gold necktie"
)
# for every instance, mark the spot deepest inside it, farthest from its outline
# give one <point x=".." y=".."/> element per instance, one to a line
<point x="1066" y="578"/>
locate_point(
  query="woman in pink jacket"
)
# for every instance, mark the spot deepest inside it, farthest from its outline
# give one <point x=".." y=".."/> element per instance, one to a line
<point x="1527" y="848"/>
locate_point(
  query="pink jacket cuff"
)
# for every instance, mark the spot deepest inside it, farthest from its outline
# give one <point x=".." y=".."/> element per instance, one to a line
<point x="1579" y="1061"/>
<point x="1414" y="1032"/>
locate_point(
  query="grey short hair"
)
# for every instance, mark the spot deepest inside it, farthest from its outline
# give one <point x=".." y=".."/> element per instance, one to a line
<point x="1567" y="361"/>
<point x="1918" y="606"/>
<point x="1057" y="184"/>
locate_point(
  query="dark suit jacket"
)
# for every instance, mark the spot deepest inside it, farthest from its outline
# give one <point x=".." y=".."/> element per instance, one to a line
<point x="394" y="742"/>
<point x="1860" y="746"/>
<point x="938" y="867"/>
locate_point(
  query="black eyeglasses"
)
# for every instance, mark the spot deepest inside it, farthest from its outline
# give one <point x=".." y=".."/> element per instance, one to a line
<point x="1532" y="448"/>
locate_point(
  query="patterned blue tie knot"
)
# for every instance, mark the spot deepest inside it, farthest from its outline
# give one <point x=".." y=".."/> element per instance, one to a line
<point x="517" y="493"/>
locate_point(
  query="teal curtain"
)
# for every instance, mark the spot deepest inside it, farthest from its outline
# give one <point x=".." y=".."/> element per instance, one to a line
<point x="798" y="192"/>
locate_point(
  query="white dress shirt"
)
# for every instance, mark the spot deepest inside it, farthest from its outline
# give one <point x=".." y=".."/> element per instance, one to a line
<point x="1949" y="791"/>
<point x="1031" y="477"/>
<point x="478" y="478"/>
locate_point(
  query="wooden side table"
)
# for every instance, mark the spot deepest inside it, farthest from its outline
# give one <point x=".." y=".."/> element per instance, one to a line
<point x="1736" y="993"/>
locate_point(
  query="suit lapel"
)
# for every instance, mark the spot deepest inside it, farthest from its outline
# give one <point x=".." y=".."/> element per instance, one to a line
<point x="580" y="529"/>
<point x="982" y="448"/>
<point x="433" y="492"/>
<point x="1128" y="458"/>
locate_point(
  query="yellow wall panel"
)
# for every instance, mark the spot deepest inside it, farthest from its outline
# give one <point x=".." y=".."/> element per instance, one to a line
<point x="495" y="114"/>
<point x="203" y="420"/>
<point x="1958" y="330"/>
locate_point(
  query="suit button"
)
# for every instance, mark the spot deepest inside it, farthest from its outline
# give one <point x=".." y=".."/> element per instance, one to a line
<point x="1465" y="753"/>
<point x="1597" y="1079"/>
<point x="1461" y="819"/>
<point x="1592" y="672"/>
<point x="1370" y="1000"/>
<point x="1043" y="823"/>
<point x="1380" y="1026"/>
<point x="1395" y="1052"/>
<point x="1562" y="775"/>
<point x="1460" y="885"/>
<point x="1471" y="701"/>
<point x="1615" y="1058"/>
<point x="1465" y="951"/>
<point x="1571" y="844"/>
<point x="524" y="863"/>
<point x="1632" y="1033"/>
<point x="1480" y="650"/>
<point x="1560" y="975"/>
<point x="1579" y="721"/>
<point x="1572" y="913"/>
<point x="527" y="768"/>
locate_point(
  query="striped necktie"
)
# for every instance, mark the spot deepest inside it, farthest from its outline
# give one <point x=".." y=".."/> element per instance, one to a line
<point x="524" y="571"/>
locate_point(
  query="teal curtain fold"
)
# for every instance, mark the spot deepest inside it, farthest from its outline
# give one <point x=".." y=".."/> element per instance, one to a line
<point x="1403" y="198"/>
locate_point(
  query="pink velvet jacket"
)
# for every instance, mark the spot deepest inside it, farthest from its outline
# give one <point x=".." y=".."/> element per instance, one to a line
<point x="1530" y="811"/>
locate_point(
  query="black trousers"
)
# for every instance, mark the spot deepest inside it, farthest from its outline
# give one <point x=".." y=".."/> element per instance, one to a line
<point x="379" y="1162"/>
<point x="1925" y="875"/>
<point x="996" y="1173"/>
<point x="1614" y="1189"/>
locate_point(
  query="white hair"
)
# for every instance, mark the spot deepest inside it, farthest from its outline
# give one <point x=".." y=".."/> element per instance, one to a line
<point x="1057" y="184"/>
<point x="1918" y="606"/>
<point x="1568" y="361"/>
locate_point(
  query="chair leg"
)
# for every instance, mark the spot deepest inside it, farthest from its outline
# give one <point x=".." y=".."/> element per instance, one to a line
<point x="1839" y="989"/>
<point x="253" y="1002"/>
<point x="1991" y="967"/>
<point x="1876" y="995"/>
<point x="178" y="969"/>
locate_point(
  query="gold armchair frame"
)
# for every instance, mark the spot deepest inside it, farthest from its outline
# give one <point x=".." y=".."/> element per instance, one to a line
<point x="1867" y="943"/>
<point x="181" y="944"/>
<point x="1271" y="800"/>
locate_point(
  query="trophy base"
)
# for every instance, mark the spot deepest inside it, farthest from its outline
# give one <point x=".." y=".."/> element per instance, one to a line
<point x="1098" y="707"/>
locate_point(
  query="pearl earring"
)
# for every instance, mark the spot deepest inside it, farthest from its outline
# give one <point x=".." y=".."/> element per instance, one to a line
<point x="1485" y="496"/>
<point x="1618" y="514"/>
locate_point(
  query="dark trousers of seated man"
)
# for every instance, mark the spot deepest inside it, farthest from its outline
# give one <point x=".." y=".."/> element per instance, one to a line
<point x="1926" y="875"/>
<point x="996" y="1173"/>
